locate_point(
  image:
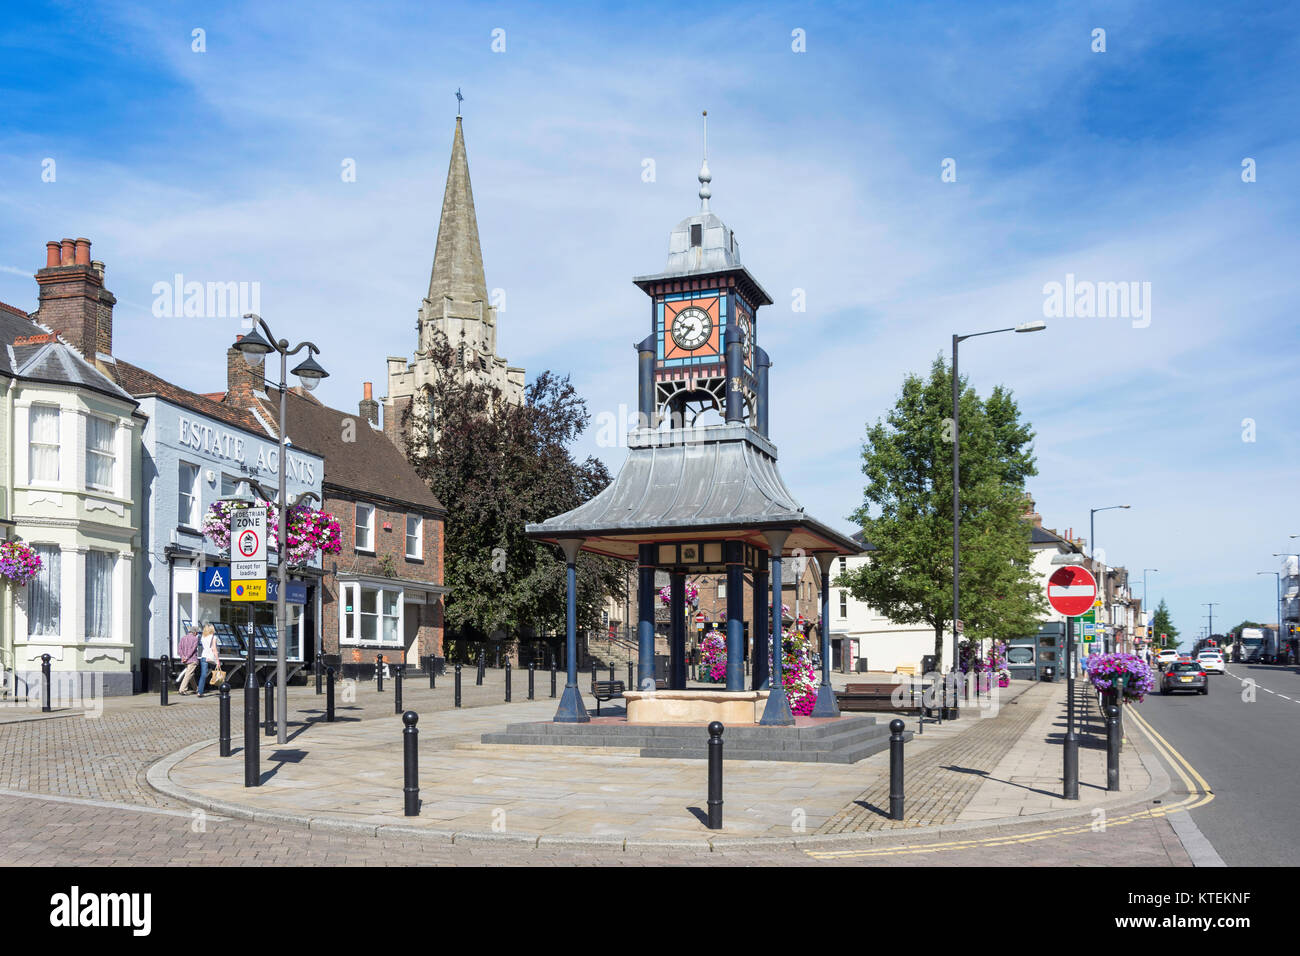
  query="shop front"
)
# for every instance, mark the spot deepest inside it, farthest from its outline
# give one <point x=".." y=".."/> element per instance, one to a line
<point x="197" y="452"/>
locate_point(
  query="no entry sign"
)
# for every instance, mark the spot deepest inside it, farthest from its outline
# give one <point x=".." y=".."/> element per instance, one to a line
<point x="1071" y="590"/>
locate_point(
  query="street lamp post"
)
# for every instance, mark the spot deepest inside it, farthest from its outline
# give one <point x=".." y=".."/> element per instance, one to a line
<point x="1036" y="326"/>
<point x="1278" y="575"/>
<point x="1092" y="545"/>
<point x="255" y="348"/>
<point x="1146" y="602"/>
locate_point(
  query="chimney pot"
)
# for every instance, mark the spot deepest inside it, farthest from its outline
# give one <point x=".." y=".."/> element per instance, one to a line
<point x="52" y="254"/>
<point x="366" y="387"/>
<point x="83" y="251"/>
<point x="98" y="266"/>
<point x="69" y="256"/>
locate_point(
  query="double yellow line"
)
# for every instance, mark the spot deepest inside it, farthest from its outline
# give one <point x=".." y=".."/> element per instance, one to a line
<point x="1198" y="794"/>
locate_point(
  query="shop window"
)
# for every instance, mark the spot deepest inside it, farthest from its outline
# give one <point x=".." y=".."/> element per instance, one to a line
<point x="43" y="442"/>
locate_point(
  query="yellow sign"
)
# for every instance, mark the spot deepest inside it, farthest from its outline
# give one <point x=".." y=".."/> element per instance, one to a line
<point x="1097" y="603"/>
<point x="254" y="590"/>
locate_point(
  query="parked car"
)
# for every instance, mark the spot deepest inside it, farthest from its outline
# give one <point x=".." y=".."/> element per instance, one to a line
<point x="1166" y="657"/>
<point x="1184" y="674"/>
<point x="1211" y="661"/>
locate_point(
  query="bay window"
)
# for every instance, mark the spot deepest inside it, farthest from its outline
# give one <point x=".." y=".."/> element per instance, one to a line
<point x="101" y="455"/>
<point x="370" y="615"/>
<point x="99" y="595"/>
<point x="43" y="441"/>
<point x="43" y="594"/>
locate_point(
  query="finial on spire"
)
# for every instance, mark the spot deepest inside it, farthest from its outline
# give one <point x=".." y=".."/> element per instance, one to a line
<point x="459" y="98"/>
<point x="705" y="176"/>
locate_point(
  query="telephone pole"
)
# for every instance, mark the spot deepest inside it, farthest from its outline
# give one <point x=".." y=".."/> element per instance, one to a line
<point x="1211" y="616"/>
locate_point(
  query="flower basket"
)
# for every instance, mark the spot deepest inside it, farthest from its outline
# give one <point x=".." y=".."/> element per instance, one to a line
<point x="713" y="657"/>
<point x="19" y="562"/>
<point x="309" y="531"/>
<point x="1105" y="671"/>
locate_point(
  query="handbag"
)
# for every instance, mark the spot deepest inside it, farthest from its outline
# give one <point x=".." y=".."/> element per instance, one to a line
<point x="217" y="678"/>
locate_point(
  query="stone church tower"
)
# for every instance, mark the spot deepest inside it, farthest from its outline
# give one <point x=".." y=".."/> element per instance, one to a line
<point x="457" y="309"/>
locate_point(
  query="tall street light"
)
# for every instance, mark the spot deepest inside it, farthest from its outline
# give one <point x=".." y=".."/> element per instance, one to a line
<point x="1278" y="575"/>
<point x="255" y="348"/>
<point x="1146" y="600"/>
<point x="1036" y="326"/>
<point x="1092" y="544"/>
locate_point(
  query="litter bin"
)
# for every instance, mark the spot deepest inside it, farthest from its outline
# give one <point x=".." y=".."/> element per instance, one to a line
<point x="862" y="665"/>
<point x="928" y="664"/>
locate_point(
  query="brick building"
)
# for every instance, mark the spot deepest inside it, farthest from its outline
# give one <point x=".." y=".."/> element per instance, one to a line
<point x="383" y="594"/>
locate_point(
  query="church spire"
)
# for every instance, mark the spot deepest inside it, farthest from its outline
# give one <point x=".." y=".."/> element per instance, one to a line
<point x="458" y="260"/>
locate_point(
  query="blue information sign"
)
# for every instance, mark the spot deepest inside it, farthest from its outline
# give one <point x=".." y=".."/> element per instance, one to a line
<point x="294" y="593"/>
<point x="215" y="580"/>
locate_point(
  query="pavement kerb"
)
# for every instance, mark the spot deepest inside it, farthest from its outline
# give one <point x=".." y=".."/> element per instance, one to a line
<point x="158" y="777"/>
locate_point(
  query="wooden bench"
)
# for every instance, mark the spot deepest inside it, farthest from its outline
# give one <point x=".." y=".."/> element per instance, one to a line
<point x="880" y="697"/>
<point x="604" y="690"/>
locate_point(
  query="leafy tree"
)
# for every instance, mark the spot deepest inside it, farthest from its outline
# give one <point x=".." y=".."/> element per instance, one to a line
<point x="1161" y="624"/>
<point x="497" y="466"/>
<point x="907" y="513"/>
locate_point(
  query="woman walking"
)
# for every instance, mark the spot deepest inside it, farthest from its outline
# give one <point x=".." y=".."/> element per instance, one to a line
<point x="209" y="659"/>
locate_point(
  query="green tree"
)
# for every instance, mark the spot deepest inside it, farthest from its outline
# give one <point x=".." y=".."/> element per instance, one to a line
<point x="497" y="466"/>
<point x="907" y="513"/>
<point x="1162" y="624"/>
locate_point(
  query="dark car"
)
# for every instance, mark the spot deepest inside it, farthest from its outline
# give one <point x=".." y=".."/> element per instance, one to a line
<point x="1184" y="675"/>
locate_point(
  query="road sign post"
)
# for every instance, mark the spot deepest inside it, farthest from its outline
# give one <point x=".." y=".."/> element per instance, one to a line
<point x="1071" y="591"/>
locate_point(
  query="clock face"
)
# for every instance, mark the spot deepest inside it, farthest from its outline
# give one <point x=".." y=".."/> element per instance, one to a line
<point x="691" y="328"/>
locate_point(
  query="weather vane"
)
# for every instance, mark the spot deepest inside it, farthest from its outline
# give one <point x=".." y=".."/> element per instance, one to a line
<point x="459" y="98"/>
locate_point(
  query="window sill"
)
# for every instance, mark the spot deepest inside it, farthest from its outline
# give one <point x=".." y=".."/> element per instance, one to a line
<point x="414" y="560"/>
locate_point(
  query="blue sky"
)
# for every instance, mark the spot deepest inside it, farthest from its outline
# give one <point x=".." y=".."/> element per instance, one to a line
<point x="1117" y="166"/>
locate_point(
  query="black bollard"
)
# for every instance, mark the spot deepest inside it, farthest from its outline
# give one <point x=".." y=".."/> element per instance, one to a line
<point x="482" y="664"/>
<point x="329" y="695"/>
<point x="457" y="684"/>
<point x="165" y="669"/>
<point x="498" y="663"/>
<point x="593" y="673"/>
<point x="317" y="668"/>
<point x="397" y="689"/>
<point x="631" y="684"/>
<point x="552" y="677"/>
<point x="1112" y="747"/>
<point x="611" y="671"/>
<point x="45" y="681"/>
<point x="532" y="668"/>
<point x="270" y="705"/>
<point x="223" y="719"/>
<point x="379" y="673"/>
<point x="895" y="769"/>
<point x="715" y="775"/>
<point x="411" y="788"/>
<point x="433" y="677"/>
<point x="507" y="681"/>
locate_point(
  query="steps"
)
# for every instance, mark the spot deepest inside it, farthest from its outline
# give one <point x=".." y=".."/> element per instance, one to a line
<point x="846" y="740"/>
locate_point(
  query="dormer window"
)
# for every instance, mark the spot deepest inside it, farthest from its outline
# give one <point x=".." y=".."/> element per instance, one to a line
<point x="697" y="235"/>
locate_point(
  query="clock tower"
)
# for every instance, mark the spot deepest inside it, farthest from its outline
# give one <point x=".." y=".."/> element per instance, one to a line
<point x="702" y="353"/>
